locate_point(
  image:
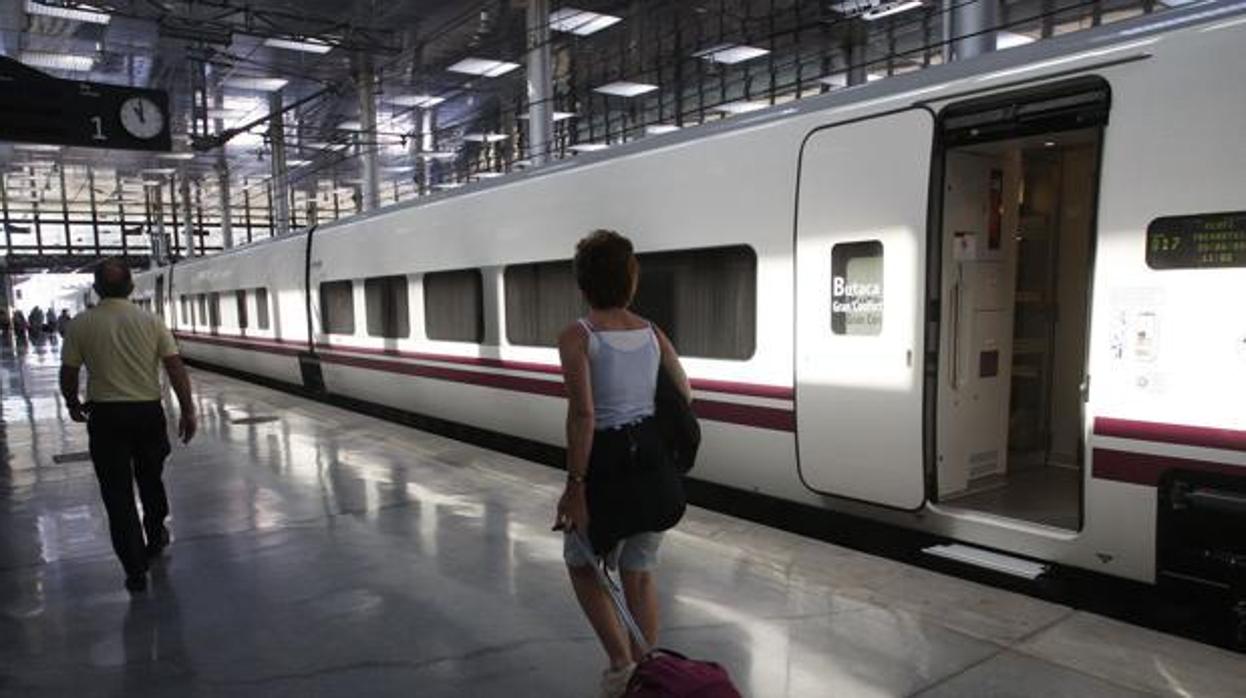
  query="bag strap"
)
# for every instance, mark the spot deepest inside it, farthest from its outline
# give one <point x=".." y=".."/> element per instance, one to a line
<point x="615" y="591"/>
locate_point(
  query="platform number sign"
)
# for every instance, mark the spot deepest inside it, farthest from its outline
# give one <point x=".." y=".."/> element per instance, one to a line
<point x="1201" y="241"/>
<point x="38" y="108"/>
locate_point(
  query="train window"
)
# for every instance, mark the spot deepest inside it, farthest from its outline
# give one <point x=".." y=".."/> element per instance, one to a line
<point x="261" y="308"/>
<point x="337" y="307"/>
<point x="185" y="307"/>
<point x="386" y="300"/>
<point x="214" y="309"/>
<point x="240" y="300"/>
<point x="857" y="288"/>
<point x="202" y="302"/>
<point x="541" y="299"/>
<point x="454" y="306"/>
<point x="705" y="299"/>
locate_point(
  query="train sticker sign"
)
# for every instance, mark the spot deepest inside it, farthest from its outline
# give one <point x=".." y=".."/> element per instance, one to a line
<point x="857" y="288"/>
<point x="1202" y="241"/>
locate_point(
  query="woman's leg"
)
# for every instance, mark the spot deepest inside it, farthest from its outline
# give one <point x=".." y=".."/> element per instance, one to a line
<point x="642" y="600"/>
<point x="597" y="606"/>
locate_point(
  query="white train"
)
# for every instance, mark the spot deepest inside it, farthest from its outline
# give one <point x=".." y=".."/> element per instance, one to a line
<point x="1000" y="301"/>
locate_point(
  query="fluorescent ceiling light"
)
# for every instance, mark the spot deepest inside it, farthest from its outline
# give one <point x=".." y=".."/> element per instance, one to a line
<point x="352" y="125"/>
<point x="659" y="129"/>
<point x="160" y="170"/>
<point x="37" y="147"/>
<point x="888" y="9"/>
<point x="418" y="101"/>
<point x="77" y="15"/>
<point x="580" y="22"/>
<point x="176" y="156"/>
<point x="152" y="183"/>
<point x="741" y="107"/>
<point x="489" y="175"/>
<point x="588" y="147"/>
<point x="484" y="67"/>
<point x="731" y="53"/>
<point x="261" y="84"/>
<point x="438" y="155"/>
<point x="399" y="168"/>
<point x="556" y="116"/>
<point x="624" y="88"/>
<point x="58" y="61"/>
<point x="307" y="46"/>
<point x="297" y="163"/>
<point x="1006" y="40"/>
<point x="485" y="137"/>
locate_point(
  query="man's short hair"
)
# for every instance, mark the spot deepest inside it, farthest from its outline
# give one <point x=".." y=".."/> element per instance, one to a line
<point x="606" y="269"/>
<point x="113" y="280"/>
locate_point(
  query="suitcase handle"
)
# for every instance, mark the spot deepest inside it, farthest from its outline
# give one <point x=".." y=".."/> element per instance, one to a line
<point x="614" y="590"/>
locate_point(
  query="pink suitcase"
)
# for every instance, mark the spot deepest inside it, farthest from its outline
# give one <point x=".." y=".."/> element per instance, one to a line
<point x="662" y="673"/>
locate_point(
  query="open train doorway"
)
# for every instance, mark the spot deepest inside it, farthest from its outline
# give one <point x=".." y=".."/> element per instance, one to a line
<point x="1019" y="195"/>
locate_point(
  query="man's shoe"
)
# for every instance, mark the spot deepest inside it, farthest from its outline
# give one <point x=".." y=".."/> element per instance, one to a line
<point x="156" y="544"/>
<point x="136" y="583"/>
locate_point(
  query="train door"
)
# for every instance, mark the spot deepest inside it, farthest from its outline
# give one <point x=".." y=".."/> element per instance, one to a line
<point x="861" y="227"/>
<point x="1017" y="202"/>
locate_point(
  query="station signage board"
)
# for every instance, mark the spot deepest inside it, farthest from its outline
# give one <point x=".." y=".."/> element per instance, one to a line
<point x="39" y="108"/>
<point x="1202" y="241"/>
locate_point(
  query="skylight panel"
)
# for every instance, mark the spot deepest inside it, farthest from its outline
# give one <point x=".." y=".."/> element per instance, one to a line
<point x="306" y="46"/>
<point x="731" y="54"/>
<point x="625" y="88"/>
<point x="79" y="14"/>
<point x="580" y="22"/>
<point x="483" y="67"/>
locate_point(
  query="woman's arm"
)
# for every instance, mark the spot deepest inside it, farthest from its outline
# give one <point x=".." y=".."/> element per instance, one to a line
<point x="670" y="361"/>
<point x="573" y="352"/>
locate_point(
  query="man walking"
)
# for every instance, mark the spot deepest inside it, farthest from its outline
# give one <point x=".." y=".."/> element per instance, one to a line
<point x="122" y="347"/>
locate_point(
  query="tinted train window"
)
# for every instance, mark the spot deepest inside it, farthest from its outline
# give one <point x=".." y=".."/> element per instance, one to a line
<point x="541" y="299"/>
<point x="705" y="300"/>
<point x="337" y="307"/>
<point x="857" y="288"/>
<point x="214" y="309"/>
<point x="386" y="301"/>
<point x="454" y="306"/>
<point x="202" y="315"/>
<point x="261" y="308"/>
<point x="240" y="299"/>
<point x="185" y="307"/>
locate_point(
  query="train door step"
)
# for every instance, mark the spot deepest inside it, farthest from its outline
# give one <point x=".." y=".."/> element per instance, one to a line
<point x="988" y="559"/>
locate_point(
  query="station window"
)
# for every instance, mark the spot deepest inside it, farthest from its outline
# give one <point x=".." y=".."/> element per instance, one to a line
<point x="240" y="300"/>
<point x="454" y="306"/>
<point x="857" y="288"/>
<point x="386" y="300"/>
<point x="541" y="299"/>
<point x="214" y="309"/>
<point x="261" y="308"/>
<point x="704" y="299"/>
<point x="337" y="307"/>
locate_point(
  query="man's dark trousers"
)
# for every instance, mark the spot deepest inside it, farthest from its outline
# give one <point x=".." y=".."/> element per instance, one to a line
<point x="129" y="442"/>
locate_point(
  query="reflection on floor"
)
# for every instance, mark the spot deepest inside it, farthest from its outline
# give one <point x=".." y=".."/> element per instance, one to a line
<point x="330" y="554"/>
<point x="1048" y="495"/>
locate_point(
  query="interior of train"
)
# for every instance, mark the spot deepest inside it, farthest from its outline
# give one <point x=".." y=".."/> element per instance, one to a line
<point x="1018" y="221"/>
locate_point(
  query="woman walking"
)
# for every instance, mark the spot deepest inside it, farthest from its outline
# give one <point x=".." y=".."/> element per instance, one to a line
<point x="610" y="362"/>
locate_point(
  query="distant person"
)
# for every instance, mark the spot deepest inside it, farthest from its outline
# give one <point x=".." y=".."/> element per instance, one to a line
<point x="122" y="348"/>
<point x="610" y="361"/>
<point x="36" y="320"/>
<point x="20" y="325"/>
<point x="49" y="321"/>
<point x="62" y="322"/>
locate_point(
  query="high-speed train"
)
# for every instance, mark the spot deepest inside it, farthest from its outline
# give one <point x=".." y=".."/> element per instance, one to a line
<point x="1000" y="301"/>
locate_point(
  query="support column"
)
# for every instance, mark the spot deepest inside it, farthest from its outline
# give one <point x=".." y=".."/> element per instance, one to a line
<point x="973" y="24"/>
<point x="540" y="83"/>
<point x="280" y="188"/>
<point x="428" y="144"/>
<point x="188" y="218"/>
<point x="222" y="180"/>
<point x="858" y="45"/>
<point x="159" y="243"/>
<point x="365" y="79"/>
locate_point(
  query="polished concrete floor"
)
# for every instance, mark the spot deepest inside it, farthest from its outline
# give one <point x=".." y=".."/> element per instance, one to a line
<point x="323" y="553"/>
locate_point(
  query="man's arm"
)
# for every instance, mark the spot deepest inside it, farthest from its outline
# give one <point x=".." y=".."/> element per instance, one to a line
<point x="180" y="380"/>
<point x="69" y="391"/>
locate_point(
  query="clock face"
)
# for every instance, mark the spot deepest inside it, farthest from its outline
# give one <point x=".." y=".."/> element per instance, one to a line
<point x="141" y="118"/>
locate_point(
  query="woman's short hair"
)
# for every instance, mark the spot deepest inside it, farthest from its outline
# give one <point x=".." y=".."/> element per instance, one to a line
<point x="606" y="269"/>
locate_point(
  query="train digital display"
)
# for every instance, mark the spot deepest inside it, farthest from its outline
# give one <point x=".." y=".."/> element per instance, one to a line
<point x="1203" y="241"/>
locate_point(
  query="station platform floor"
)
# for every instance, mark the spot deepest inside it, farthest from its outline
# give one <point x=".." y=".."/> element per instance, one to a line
<point x="324" y="553"/>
